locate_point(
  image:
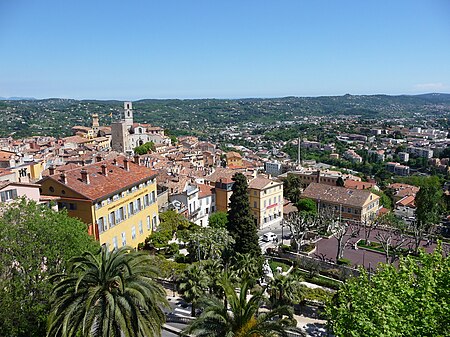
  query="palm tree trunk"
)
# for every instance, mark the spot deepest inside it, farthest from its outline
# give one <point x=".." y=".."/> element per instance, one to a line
<point x="193" y="310"/>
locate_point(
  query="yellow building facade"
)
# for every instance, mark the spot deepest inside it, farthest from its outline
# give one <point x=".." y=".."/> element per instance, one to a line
<point x="117" y="201"/>
<point x="266" y="201"/>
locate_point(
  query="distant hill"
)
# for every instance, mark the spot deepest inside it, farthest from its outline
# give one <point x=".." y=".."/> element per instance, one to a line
<point x="56" y="116"/>
<point x="17" y="99"/>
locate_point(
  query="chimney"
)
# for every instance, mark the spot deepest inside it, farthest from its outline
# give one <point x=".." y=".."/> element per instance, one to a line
<point x="84" y="176"/>
<point x="98" y="158"/>
<point x="126" y="164"/>
<point x="104" y="170"/>
<point x="136" y="159"/>
<point x="63" y="178"/>
<point x="115" y="162"/>
<point x="51" y="170"/>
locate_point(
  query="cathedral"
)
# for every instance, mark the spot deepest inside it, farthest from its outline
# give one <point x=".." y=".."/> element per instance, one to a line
<point x="126" y="135"/>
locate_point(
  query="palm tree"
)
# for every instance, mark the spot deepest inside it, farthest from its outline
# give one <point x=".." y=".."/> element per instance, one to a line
<point x="107" y="294"/>
<point x="284" y="290"/>
<point x="243" y="317"/>
<point x="193" y="283"/>
<point x="247" y="266"/>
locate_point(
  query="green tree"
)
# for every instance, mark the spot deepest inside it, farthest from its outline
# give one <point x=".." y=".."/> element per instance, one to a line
<point x="285" y="290"/>
<point x="306" y="206"/>
<point x="247" y="267"/>
<point x="172" y="221"/>
<point x="241" y="317"/>
<point x="218" y="220"/>
<point x="35" y="242"/>
<point x="291" y="188"/>
<point x="428" y="210"/>
<point x="145" y="148"/>
<point x="108" y="294"/>
<point x="192" y="284"/>
<point x="208" y="243"/>
<point x="241" y="224"/>
<point x="411" y="300"/>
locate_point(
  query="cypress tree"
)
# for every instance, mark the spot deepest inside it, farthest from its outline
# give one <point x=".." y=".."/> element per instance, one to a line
<point x="241" y="224"/>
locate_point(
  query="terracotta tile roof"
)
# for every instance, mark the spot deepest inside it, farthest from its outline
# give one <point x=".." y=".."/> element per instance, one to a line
<point x="337" y="194"/>
<point x="100" y="186"/>
<point x="359" y="185"/>
<point x="261" y="182"/>
<point x="407" y="201"/>
<point x="6" y="154"/>
<point x="76" y="139"/>
<point x="233" y="154"/>
<point x="221" y="173"/>
<point x="205" y="190"/>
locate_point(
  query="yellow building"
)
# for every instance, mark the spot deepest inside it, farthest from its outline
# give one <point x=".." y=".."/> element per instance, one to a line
<point x="266" y="201"/>
<point x="117" y="199"/>
<point x="347" y="203"/>
<point x="234" y="159"/>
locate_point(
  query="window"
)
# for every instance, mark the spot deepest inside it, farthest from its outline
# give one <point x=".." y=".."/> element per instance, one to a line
<point x="133" y="232"/>
<point x="115" y="197"/>
<point x="51" y="189"/>
<point x="265" y="203"/>
<point x="8" y="195"/>
<point x="140" y="227"/>
<point x="279" y="198"/>
<point x="254" y="204"/>
<point x="72" y="206"/>
<point x="146" y="200"/>
<point x="270" y="201"/>
<point x="130" y="209"/>
<point x="153" y="198"/>
<point x="124" y="239"/>
<point x="112" y="219"/>
<point x="102" y="225"/>
<point x="155" y="222"/>
<point x="148" y="223"/>
<point x="114" y="242"/>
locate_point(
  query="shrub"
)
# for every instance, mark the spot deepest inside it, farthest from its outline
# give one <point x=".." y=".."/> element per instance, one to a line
<point x="173" y="249"/>
<point x="344" y="262"/>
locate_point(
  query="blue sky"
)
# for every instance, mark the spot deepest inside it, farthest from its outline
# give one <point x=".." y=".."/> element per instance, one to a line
<point x="223" y="49"/>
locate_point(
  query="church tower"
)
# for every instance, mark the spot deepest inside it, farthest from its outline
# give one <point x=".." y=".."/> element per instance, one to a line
<point x="95" y="125"/>
<point x="128" y="112"/>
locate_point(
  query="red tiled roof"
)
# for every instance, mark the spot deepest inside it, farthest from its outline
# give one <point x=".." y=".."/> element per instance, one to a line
<point x="205" y="190"/>
<point x="358" y="185"/>
<point x="100" y="185"/>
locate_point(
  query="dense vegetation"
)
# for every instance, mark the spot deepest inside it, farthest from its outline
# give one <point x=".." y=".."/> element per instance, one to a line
<point x="55" y="117"/>
<point x="35" y="242"/>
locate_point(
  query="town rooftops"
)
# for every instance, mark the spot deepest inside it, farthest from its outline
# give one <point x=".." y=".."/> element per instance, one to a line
<point x="96" y="181"/>
<point x="337" y="194"/>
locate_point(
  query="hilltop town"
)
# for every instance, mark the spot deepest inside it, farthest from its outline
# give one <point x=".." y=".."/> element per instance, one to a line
<point x="127" y="179"/>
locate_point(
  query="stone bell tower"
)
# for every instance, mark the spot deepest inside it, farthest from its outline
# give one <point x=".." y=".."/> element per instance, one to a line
<point x="128" y="113"/>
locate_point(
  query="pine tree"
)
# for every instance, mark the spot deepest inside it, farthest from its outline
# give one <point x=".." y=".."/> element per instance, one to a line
<point x="241" y="224"/>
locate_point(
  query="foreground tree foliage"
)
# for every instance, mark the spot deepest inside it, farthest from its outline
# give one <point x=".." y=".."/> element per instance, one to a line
<point x="411" y="300"/>
<point x="241" y="224"/>
<point x="35" y="242"/>
<point x="108" y="294"/>
<point x="240" y="315"/>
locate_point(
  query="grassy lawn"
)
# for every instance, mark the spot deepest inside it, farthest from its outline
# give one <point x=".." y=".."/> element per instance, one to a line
<point x="274" y="264"/>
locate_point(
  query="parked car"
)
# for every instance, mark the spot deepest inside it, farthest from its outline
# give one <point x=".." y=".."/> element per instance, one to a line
<point x="269" y="237"/>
